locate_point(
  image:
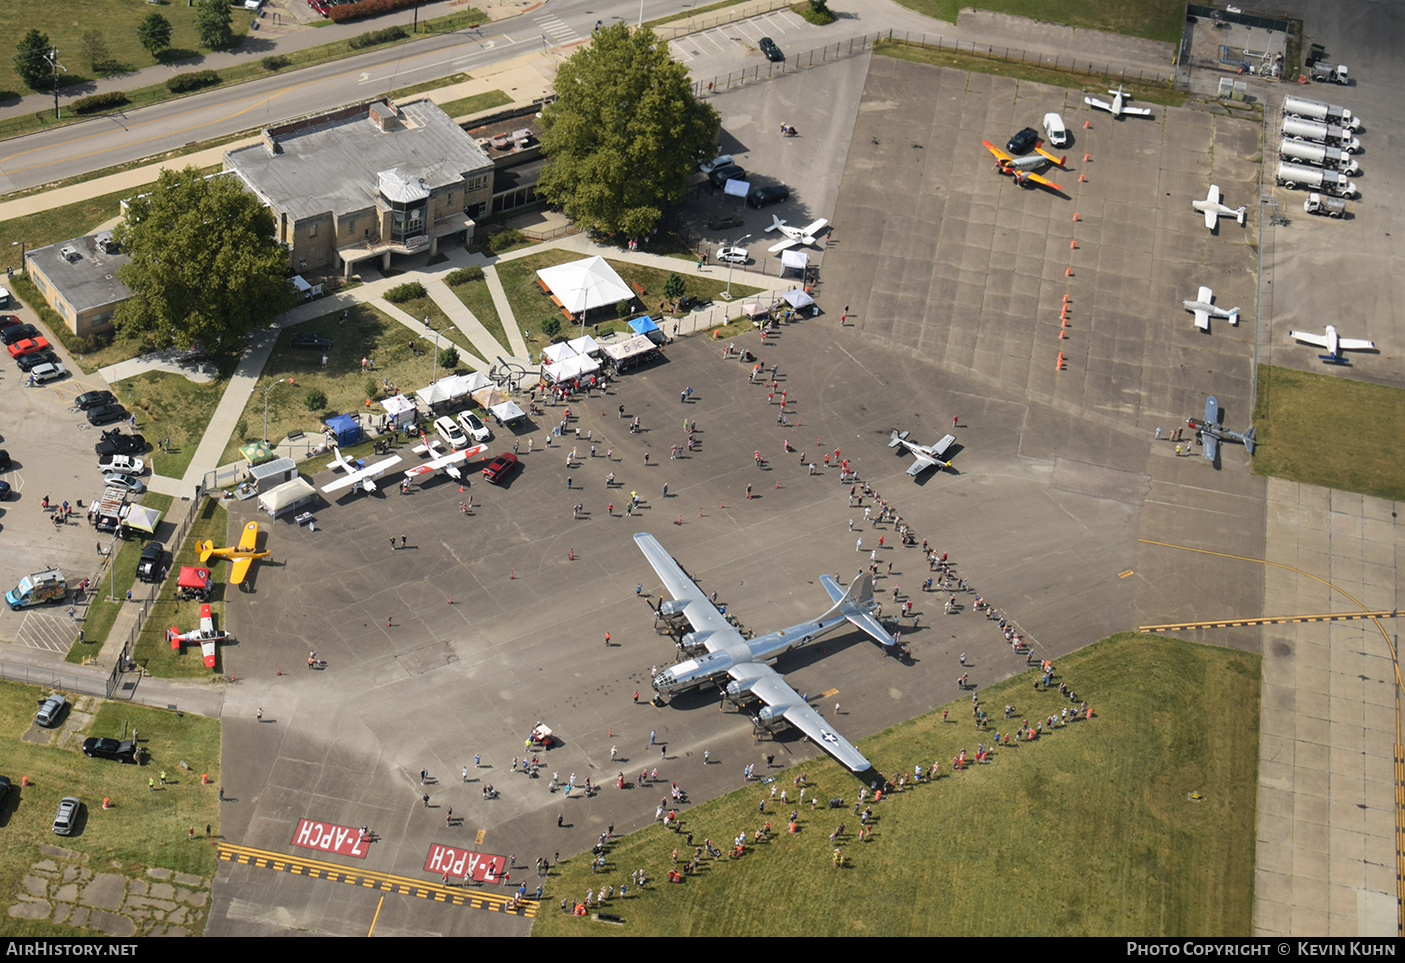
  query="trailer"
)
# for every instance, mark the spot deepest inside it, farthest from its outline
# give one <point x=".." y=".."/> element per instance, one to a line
<point x="1330" y="206"/>
<point x="1321" y="111"/>
<point x="1328" y="134"/>
<point x="1318" y="155"/>
<point x="1293" y="176"/>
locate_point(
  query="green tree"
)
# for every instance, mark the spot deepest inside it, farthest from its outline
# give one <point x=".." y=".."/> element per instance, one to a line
<point x="214" y="24"/>
<point x="624" y="133"/>
<point x="673" y="288"/>
<point x="205" y="262"/>
<point x="551" y="327"/>
<point x="32" y="61"/>
<point x="154" y="33"/>
<point x="95" y="49"/>
<point x="449" y="359"/>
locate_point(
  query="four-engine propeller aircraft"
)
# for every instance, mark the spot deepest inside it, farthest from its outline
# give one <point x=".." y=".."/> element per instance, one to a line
<point x="1022" y="169"/>
<point x="1118" y="107"/>
<point x="1205" y="309"/>
<point x="926" y="456"/>
<point x="358" y="477"/>
<point x="205" y="635"/>
<point x="242" y="555"/>
<point x="1214" y="210"/>
<point x="447" y="463"/>
<point x="1333" y="342"/>
<point x="795" y="235"/>
<point x="1212" y="432"/>
<point x="741" y="666"/>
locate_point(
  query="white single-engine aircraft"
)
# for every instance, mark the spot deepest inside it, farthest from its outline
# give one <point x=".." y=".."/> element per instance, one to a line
<point x="927" y="456"/>
<point x="795" y="235"/>
<point x="1214" y="210"/>
<point x="206" y="636"/>
<point x="1118" y="107"/>
<point x="1333" y="342"/>
<point x="358" y="477"/>
<point x="745" y="663"/>
<point x="1023" y="169"/>
<point x="448" y="463"/>
<point x="1205" y="309"/>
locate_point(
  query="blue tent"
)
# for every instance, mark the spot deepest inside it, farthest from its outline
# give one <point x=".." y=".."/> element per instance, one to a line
<point x="645" y="325"/>
<point x="346" y="428"/>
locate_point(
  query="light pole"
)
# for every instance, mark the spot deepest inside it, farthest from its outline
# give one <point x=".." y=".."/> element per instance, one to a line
<point x="436" y="351"/>
<point x="729" y="266"/>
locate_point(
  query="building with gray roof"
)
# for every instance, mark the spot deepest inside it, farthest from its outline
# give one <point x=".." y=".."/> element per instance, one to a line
<point x="78" y="279"/>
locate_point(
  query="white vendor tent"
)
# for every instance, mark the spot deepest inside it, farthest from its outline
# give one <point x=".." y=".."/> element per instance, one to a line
<point x="489" y="396"/>
<point x="797" y="298"/>
<point x="400" y="409"/>
<point x="558" y="352"/>
<point x="275" y="501"/>
<point x="588" y="283"/>
<point x="507" y="412"/>
<point x="576" y="367"/>
<point x="796" y="260"/>
<point x="451" y="388"/>
<point x="585" y="346"/>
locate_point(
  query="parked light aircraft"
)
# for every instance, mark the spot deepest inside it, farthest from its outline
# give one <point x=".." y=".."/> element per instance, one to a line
<point x="1333" y="342"/>
<point x="926" y="456"/>
<point x="1214" y="210"/>
<point x="448" y="463"/>
<point x="362" y="477"/>
<point x="742" y="667"/>
<point x="205" y="635"/>
<point x="1212" y="432"/>
<point x="795" y="235"/>
<point x="1205" y="309"/>
<point x="1118" y="107"/>
<point x="242" y="555"/>
<point x="1023" y="168"/>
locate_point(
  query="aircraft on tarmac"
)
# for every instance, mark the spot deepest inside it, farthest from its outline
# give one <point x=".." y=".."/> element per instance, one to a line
<point x="1118" y="107"/>
<point x="795" y="235"/>
<point x="1333" y="342"/>
<point x="358" y="477"/>
<point x="448" y="463"/>
<point x="741" y="667"/>
<point x="242" y="555"/>
<point x="1022" y="169"/>
<point x="1214" y="210"/>
<point x="205" y="635"/>
<point x="1205" y="309"/>
<point x="1212" y="432"/>
<point x="927" y="456"/>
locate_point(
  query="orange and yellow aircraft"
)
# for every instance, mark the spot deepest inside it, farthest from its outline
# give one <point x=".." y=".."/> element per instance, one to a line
<point x="242" y="555"/>
<point x="1022" y="168"/>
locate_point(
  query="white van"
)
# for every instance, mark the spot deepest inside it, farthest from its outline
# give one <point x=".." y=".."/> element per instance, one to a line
<point x="451" y="433"/>
<point x="1055" y="130"/>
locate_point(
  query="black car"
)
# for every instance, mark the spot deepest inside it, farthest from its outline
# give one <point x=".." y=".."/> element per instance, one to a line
<point x="116" y="443"/>
<point x="32" y="360"/>
<point x="110" y="749"/>
<point x="9" y="320"/>
<point x="312" y="341"/>
<point x="102" y="414"/>
<point x="761" y="196"/>
<point x="1023" y="142"/>
<point x="4" y="460"/>
<point x="722" y="222"/>
<point x="769" y="48"/>
<point x="724" y="174"/>
<point x="91" y="399"/>
<point x="149" y="565"/>
<point x="18" y="332"/>
<point x="4" y="788"/>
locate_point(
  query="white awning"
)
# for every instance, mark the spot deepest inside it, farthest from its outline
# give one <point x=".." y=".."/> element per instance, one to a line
<point x="588" y="283"/>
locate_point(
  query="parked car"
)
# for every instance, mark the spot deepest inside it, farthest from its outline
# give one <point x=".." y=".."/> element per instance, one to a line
<point x="4" y="788"/>
<point x="50" y="711"/>
<point x="28" y="346"/>
<point x="18" y="332"/>
<point x="500" y="467"/>
<point x="9" y="320"/>
<point x="728" y="172"/>
<point x="721" y="160"/>
<point x="722" y="222"/>
<point x="452" y="434"/>
<point x="473" y="426"/>
<point x="732" y="255"/>
<point x="312" y="341"/>
<point x="4" y="491"/>
<point x="126" y="464"/>
<point x="102" y="414"/>
<point x="4" y="460"/>
<point x="769" y="48"/>
<point x="105" y="748"/>
<point x="67" y="815"/>
<point x="149" y="566"/>
<point x="115" y="443"/>
<point x="49" y="371"/>
<point x="91" y="399"/>
<point x="773" y="194"/>
<point x="1023" y="142"/>
<point x="1055" y="129"/>
<point x="28" y="362"/>
<point x="131" y="483"/>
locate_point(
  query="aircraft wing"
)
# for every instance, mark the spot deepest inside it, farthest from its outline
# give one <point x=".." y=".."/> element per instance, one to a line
<point x="1211" y="217"/>
<point x="1211" y="443"/>
<point x="239" y="569"/>
<point x="784" y="245"/>
<point x="207" y="621"/>
<point x="768" y="686"/>
<point x="1051" y="158"/>
<point x="1202" y="319"/>
<point x="810" y="229"/>
<point x="1356" y="343"/>
<point x="711" y="626"/>
<point x="1139" y="111"/>
<point x="920" y="463"/>
<point x="1000" y="155"/>
<point x="1040" y="179"/>
<point x="1307" y="336"/>
<point x="362" y="475"/>
<point x="250" y="539"/>
<point x="1100" y="104"/>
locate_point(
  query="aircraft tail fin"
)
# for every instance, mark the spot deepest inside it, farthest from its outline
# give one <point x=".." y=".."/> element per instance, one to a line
<point x="776" y="223"/>
<point x="855" y="606"/>
<point x="897" y="438"/>
<point x="1249" y="440"/>
<point x="206" y="549"/>
<point x="1233" y="315"/>
<point x="1239" y="215"/>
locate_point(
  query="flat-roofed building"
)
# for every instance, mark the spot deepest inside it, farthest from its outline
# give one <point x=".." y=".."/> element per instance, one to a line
<point x="78" y="279"/>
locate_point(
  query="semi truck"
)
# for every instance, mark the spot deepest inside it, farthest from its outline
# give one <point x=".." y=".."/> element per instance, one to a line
<point x="1330" y="206"/>
<point x="46" y="586"/>
<point x="1318" y="155"/>
<point x="1318" y="110"/>
<point x="1293" y="176"/>
<point x="1328" y="134"/>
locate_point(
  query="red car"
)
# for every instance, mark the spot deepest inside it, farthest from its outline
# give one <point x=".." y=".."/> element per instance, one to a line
<point x="28" y="346"/>
<point x="500" y="467"/>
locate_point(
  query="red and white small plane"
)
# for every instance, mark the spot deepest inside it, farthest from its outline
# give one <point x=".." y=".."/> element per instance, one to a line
<point x="447" y="463"/>
<point x="1022" y="168"/>
<point x="205" y="635"/>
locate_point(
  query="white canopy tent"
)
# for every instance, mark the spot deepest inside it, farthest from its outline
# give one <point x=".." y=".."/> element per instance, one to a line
<point x="558" y="352"/>
<point x="576" y="367"/>
<point x="585" y="346"/>
<point x="588" y="283"/>
<point x="794" y="260"/>
<point x="797" y="298"/>
<point x="507" y="412"/>
<point x="401" y="410"/>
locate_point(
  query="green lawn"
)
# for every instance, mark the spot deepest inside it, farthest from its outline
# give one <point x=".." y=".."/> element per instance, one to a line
<point x="1151" y="19"/>
<point x="426" y="309"/>
<point x="465" y="106"/>
<point x="109" y="594"/>
<point x="142" y="830"/>
<point x="1334" y="432"/>
<point x="168" y="405"/>
<point x="1089" y="830"/>
<point x="478" y="299"/>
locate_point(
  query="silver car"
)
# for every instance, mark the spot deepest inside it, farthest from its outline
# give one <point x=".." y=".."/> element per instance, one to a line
<point x="131" y="483"/>
<point x="67" y="815"/>
<point x="44" y="373"/>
